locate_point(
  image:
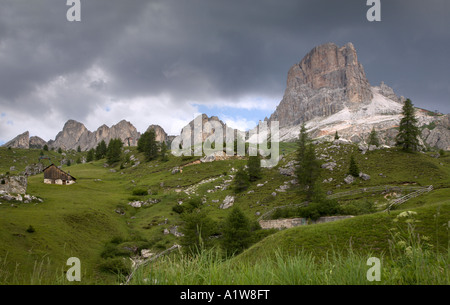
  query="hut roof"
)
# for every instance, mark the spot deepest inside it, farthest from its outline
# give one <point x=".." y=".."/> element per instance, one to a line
<point x="57" y="173"/>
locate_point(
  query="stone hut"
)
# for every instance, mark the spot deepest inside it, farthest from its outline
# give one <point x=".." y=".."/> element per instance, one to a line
<point x="54" y="175"/>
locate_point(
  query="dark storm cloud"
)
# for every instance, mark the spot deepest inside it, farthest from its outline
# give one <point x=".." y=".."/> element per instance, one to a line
<point x="208" y="50"/>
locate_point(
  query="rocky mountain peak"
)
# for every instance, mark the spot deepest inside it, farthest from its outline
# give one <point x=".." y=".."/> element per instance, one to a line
<point x="327" y="79"/>
<point x="21" y="141"/>
<point x="161" y="135"/>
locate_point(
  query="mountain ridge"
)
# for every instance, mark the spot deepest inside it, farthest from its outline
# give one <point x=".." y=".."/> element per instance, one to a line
<point x="327" y="90"/>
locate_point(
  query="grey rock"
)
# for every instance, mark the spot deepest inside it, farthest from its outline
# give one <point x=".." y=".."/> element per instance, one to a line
<point x="328" y="79"/>
<point x="364" y="177"/>
<point x="227" y="202"/>
<point x="21" y="141"/>
<point x="349" y="179"/>
<point x="330" y="166"/>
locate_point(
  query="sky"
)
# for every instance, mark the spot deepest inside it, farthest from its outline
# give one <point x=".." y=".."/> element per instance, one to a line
<point x="165" y="61"/>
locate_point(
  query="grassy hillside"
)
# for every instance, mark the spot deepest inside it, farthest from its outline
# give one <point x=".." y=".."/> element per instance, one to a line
<point x="92" y="220"/>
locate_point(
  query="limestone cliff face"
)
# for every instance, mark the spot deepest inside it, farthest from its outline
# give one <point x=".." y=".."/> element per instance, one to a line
<point x="439" y="136"/>
<point x="205" y="128"/>
<point x="37" y="143"/>
<point x="75" y="134"/>
<point x="21" y="141"/>
<point x="328" y="79"/>
<point x="161" y="135"/>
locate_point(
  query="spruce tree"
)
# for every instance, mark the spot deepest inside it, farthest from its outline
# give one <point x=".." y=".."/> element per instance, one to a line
<point x="90" y="155"/>
<point x="373" y="138"/>
<point x="164" y="156"/>
<point x="236" y="232"/>
<point x="353" y="168"/>
<point x="336" y="136"/>
<point x="308" y="171"/>
<point x="79" y="148"/>
<point x="147" y="144"/>
<point x="241" y="181"/>
<point x="114" y="151"/>
<point x="254" y="168"/>
<point x="197" y="229"/>
<point x="100" y="150"/>
<point x="408" y="135"/>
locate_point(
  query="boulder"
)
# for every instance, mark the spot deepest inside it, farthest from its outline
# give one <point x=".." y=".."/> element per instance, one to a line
<point x="330" y="166"/>
<point x="227" y="202"/>
<point x="349" y="179"/>
<point x="364" y="177"/>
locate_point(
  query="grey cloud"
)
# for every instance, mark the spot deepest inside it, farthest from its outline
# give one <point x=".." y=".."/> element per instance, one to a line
<point x="205" y="50"/>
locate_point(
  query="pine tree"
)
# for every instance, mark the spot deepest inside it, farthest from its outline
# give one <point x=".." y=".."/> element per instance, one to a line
<point x="241" y="181"/>
<point x="164" y="156"/>
<point x="336" y="136"/>
<point x="197" y="229"/>
<point x="236" y="232"/>
<point x="353" y="168"/>
<point x="60" y="150"/>
<point x="100" y="150"/>
<point x="308" y="170"/>
<point x="147" y="145"/>
<point x="408" y="134"/>
<point x="90" y="155"/>
<point x="254" y="168"/>
<point x="79" y="149"/>
<point x="373" y="138"/>
<point x="114" y="151"/>
<point x="45" y="147"/>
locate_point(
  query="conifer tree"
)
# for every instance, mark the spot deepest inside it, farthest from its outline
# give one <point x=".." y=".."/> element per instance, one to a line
<point x="197" y="229"/>
<point x="336" y="136"/>
<point x="254" y="168"/>
<point x="114" y="151"/>
<point x="147" y="145"/>
<point x="353" y="168"/>
<point x="100" y="150"/>
<point x="308" y="170"/>
<point x="241" y="181"/>
<point x="90" y="155"/>
<point x="408" y="134"/>
<point x="236" y="232"/>
<point x="163" y="152"/>
<point x="373" y="138"/>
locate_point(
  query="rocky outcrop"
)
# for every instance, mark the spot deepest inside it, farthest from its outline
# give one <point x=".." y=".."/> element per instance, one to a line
<point x="21" y="141"/>
<point x="123" y="130"/>
<point x="327" y="80"/>
<point x="439" y="136"/>
<point x="75" y="134"/>
<point x="204" y="128"/>
<point x="161" y="135"/>
<point x="13" y="185"/>
<point x="37" y="143"/>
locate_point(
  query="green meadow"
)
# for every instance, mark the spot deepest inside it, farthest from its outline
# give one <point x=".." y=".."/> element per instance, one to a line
<point x="93" y="221"/>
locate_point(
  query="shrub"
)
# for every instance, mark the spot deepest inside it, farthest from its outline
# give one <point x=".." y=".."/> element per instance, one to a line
<point x="118" y="266"/>
<point x="3" y="182"/>
<point x="31" y="229"/>
<point x="140" y="192"/>
<point x="178" y="209"/>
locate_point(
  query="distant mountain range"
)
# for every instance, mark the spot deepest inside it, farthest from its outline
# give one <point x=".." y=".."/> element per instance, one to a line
<point x="328" y="91"/>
